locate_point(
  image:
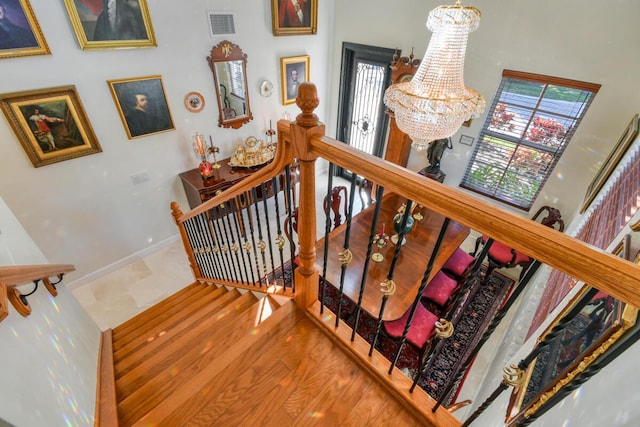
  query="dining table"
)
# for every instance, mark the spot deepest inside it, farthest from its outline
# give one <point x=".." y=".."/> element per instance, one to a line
<point x="411" y="263"/>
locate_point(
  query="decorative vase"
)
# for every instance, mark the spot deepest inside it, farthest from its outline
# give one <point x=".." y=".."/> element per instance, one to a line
<point x="206" y="169"/>
<point x="397" y="226"/>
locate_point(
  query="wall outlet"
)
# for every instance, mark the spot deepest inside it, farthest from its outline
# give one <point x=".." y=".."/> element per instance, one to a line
<point x="140" y="177"/>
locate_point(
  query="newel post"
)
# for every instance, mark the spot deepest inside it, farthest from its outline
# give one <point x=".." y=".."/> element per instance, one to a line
<point x="303" y="129"/>
<point x="177" y="214"/>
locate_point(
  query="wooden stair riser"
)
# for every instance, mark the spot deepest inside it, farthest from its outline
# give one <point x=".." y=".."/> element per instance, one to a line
<point x="201" y="354"/>
<point x="131" y="324"/>
<point x="279" y="323"/>
<point x="154" y="337"/>
<point x="182" y="350"/>
<point x="144" y="323"/>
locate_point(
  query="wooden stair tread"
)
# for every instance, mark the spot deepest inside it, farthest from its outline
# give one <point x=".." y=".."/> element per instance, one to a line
<point x="155" y="380"/>
<point x="195" y="391"/>
<point x="157" y="336"/>
<point x="179" y="348"/>
<point x="159" y="307"/>
<point x="145" y="320"/>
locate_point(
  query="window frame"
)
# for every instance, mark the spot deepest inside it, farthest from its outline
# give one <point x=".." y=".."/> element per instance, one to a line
<point x="536" y="110"/>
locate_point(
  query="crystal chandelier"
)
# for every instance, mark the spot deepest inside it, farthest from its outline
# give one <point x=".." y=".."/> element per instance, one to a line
<point x="435" y="103"/>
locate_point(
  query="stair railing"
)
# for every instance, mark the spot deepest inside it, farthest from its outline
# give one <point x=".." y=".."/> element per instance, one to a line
<point x="12" y="276"/>
<point x="305" y="140"/>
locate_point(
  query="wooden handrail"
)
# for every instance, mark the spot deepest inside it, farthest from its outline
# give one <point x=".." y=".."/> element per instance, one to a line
<point x="592" y="265"/>
<point x="19" y="274"/>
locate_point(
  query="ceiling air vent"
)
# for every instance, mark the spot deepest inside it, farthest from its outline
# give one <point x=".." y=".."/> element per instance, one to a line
<point x="221" y="23"/>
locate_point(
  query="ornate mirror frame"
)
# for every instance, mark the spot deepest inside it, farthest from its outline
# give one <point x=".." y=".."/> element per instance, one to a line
<point x="597" y="327"/>
<point x="229" y="67"/>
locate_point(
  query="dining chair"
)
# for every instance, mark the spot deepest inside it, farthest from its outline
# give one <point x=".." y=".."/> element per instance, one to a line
<point x="421" y="331"/>
<point x="503" y="256"/>
<point x="290" y="226"/>
<point x="337" y="205"/>
<point x="458" y="264"/>
<point x="441" y="290"/>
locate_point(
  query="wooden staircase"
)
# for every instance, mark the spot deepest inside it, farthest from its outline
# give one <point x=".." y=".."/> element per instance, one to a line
<point x="211" y="356"/>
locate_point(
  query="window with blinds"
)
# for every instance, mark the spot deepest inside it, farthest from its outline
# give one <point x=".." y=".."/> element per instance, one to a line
<point x="237" y="78"/>
<point x="531" y="120"/>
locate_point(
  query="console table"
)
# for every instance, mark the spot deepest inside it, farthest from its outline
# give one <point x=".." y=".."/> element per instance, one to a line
<point x="199" y="190"/>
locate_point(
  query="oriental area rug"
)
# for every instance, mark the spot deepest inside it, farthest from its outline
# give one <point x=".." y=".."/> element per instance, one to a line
<point x="475" y="316"/>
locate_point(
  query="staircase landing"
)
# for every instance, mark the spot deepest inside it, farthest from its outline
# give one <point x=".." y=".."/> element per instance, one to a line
<point x="208" y="356"/>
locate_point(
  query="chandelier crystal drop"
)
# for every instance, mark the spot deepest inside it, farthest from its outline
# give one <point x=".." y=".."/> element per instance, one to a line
<point x="435" y="103"/>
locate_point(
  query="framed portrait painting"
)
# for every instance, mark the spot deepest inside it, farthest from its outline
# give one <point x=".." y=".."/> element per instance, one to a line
<point x="294" y="70"/>
<point x="51" y="124"/>
<point x="142" y="104"/>
<point x="111" y="24"/>
<point x="20" y="34"/>
<point x="294" y="17"/>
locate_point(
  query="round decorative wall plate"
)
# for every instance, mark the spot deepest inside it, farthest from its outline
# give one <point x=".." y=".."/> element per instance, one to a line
<point x="194" y="102"/>
<point x="266" y="88"/>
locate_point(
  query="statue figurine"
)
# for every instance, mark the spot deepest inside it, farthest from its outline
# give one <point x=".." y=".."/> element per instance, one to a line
<point x="434" y="154"/>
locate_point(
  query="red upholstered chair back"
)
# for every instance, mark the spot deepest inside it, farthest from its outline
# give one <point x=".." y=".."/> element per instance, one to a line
<point x="553" y="218"/>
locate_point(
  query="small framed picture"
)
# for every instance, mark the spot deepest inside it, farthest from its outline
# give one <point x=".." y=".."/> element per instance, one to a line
<point x="97" y="26"/>
<point x="142" y="105"/>
<point x="294" y="17"/>
<point x="51" y="124"/>
<point x="20" y="34"/>
<point x="466" y="140"/>
<point x="294" y="70"/>
<point x="194" y="102"/>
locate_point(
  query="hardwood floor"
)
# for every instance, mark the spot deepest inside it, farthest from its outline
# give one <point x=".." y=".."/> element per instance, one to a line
<point x="212" y="357"/>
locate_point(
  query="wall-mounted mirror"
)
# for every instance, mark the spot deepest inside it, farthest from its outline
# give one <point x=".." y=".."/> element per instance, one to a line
<point x="229" y="67"/>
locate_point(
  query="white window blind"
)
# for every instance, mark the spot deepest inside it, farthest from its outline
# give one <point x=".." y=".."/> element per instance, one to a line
<point x="531" y="120"/>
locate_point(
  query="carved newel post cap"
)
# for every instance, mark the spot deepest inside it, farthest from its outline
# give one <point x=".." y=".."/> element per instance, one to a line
<point x="307" y="101"/>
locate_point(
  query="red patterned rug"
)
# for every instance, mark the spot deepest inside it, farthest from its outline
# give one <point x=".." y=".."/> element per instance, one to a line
<point x="474" y="319"/>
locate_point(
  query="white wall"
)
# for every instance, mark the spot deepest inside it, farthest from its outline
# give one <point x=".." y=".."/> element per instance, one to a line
<point x="592" y="42"/>
<point x="87" y="211"/>
<point x="49" y="359"/>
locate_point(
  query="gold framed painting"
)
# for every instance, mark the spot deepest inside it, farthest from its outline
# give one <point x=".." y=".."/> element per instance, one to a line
<point x="293" y="70"/>
<point x="127" y="25"/>
<point x="142" y="104"/>
<point x="20" y="34"/>
<point x="294" y="17"/>
<point x="600" y="324"/>
<point x="609" y="165"/>
<point x="51" y="124"/>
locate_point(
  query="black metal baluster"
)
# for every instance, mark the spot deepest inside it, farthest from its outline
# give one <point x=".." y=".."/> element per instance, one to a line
<point x="546" y="341"/>
<point x="262" y="245"/>
<point x="233" y="247"/>
<point x="226" y="248"/>
<point x="206" y="247"/>
<point x="423" y="285"/>
<point x="289" y="203"/>
<point x="269" y="236"/>
<point x="237" y="204"/>
<point x="280" y="238"/>
<point x="365" y="270"/>
<point x="226" y="273"/>
<point x="215" y="246"/>
<point x="191" y="233"/>
<point x="388" y="287"/>
<point x="327" y="230"/>
<point x="250" y="220"/>
<point x="347" y="238"/>
<point x="246" y="246"/>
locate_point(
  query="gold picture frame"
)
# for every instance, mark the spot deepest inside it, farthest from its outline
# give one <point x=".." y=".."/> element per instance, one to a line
<point x="51" y="124"/>
<point x="96" y="29"/>
<point x="599" y="325"/>
<point x="294" y="17"/>
<point x="142" y="105"/>
<point x="293" y="71"/>
<point x="611" y="162"/>
<point x="26" y="37"/>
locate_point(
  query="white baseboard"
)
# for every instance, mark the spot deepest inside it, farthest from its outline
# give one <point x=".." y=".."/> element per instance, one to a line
<point x="121" y="263"/>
